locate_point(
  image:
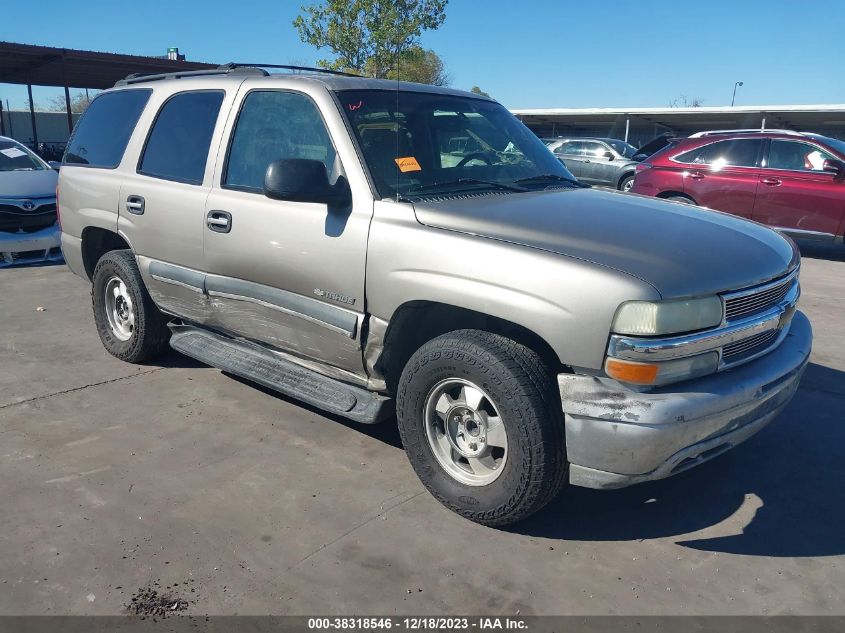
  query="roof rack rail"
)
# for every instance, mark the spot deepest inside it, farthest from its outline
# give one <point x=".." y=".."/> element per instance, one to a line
<point x="746" y="131"/>
<point x="235" y="65"/>
<point x="135" y="78"/>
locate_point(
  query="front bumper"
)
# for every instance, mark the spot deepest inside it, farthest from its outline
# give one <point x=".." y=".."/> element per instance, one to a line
<point x="616" y="436"/>
<point x="31" y="248"/>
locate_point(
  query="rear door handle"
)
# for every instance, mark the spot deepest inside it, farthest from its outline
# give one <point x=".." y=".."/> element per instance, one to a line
<point x="219" y="221"/>
<point x="135" y="205"/>
<point x="773" y="182"/>
<point x="696" y="175"/>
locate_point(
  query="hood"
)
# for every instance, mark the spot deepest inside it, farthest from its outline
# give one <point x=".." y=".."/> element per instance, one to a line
<point x="39" y="183"/>
<point x="654" y="145"/>
<point x="679" y="249"/>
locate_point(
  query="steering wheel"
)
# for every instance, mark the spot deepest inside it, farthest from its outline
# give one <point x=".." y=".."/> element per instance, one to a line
<point x="474" y="156"/>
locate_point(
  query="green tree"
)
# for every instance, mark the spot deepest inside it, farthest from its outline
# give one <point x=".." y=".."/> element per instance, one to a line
<point x="367" y="36"/>
<point x="479" y="91"/>
<point x="78" y="103"/>
<point x="421" y="66"/>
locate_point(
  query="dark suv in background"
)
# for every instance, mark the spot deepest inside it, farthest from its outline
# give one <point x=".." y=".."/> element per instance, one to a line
<point x="608" y="162"/>
<point x="792" y="181"/>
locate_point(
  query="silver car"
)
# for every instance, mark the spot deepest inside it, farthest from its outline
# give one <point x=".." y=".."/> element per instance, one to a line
<point x="414" y="255"/>
<point x="29" y="231"/>
<point x="607" y="162"/>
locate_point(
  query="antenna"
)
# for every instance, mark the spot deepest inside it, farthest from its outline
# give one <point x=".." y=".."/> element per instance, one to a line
<point x="398" y="195"/>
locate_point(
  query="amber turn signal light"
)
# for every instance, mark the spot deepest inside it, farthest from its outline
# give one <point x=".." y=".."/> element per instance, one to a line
<point x="631" y="372"/>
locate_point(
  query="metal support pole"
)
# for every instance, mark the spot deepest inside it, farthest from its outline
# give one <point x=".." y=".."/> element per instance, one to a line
<point x="2" y="122"/>
<point x="32" y="118"/>
<point x="69" y="112"/>
<point x="763" y="125"/>
<point x="9" y="110"/>
<point x="67" y="97"/>
<point x="627" y="128"/>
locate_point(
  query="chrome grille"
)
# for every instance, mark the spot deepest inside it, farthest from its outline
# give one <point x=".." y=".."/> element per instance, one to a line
<point x="749" y="346"/>
<point x="748" y="303"/>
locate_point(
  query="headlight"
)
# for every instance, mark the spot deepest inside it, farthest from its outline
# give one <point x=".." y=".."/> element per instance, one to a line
<point x="650" y="318"/>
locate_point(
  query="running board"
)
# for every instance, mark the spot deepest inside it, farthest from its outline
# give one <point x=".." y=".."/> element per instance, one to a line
<point x="262" y="366"/>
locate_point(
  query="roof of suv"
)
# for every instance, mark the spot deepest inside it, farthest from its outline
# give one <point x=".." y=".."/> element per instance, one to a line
<point x="330" y="81"/>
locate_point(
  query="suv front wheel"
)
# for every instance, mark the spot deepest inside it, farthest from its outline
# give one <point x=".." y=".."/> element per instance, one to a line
<point x="128" y="322"/>
<point x="481" y="423"/>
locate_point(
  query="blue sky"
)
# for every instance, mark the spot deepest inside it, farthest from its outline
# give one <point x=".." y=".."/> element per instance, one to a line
<point x="534" y="53"/>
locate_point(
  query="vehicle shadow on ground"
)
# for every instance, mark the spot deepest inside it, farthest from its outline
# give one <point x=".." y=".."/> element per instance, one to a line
<point x="386" y="432"/>
<point x="172" y="359"/>
<point x="834" y="252"/>
<point x="795" y="468"/>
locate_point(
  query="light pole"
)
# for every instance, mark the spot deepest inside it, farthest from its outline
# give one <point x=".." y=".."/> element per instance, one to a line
<point x="733" y="98"/>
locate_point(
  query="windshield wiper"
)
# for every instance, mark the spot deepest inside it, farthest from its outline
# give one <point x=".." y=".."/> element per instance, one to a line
<point x="549" y="178"/>
<point x="434" y="186"/>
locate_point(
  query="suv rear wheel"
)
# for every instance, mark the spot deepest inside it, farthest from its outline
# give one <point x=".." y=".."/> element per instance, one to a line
<point x="128" y="322"/>
<point x="481" y="423"/>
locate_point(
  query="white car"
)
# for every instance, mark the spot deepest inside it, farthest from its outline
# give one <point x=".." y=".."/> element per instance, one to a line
<point x="29" y="228"/>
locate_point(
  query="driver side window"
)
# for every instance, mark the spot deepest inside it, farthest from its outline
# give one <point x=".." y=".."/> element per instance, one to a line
<point x="273" y="125"/>
<point x="594" y="149"/>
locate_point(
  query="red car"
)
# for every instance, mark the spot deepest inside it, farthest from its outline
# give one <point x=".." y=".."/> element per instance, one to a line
<point x="791" y="181"/>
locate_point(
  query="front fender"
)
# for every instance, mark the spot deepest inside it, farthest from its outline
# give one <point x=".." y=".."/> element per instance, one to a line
<point x="567" y="302"/>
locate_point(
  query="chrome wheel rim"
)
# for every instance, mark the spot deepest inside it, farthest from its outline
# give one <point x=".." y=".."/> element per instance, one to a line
<point x="627" y="185"/>
<point x="119" y="309"/>
<point x="465" y="432"/>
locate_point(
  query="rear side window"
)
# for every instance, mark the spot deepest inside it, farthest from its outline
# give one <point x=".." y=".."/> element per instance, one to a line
<point x="273" y="125"/>
<point x="738" y="153"/>
<point x="177" y="147"/>
<point x="572" y="148"/>
<point x="101" y="136"/>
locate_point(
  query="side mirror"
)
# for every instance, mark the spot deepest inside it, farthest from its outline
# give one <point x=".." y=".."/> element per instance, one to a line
<point x="56" y="165"/>
<point x="304" y="180"/>
<point x="609" y="155"/>
<point x="836" y="166"/>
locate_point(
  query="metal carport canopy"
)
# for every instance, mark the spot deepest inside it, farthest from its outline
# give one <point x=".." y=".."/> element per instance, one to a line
<point x="798" y="117"/>
<point x="49" y="66"/>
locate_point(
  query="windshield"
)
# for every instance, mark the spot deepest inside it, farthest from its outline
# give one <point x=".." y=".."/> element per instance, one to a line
<point x="417" y="143"/>
<point x="622" y="147"/>
<point x="16" y="157"/>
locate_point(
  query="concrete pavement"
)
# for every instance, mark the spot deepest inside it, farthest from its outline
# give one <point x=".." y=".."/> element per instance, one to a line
<point x="114" y="476"/>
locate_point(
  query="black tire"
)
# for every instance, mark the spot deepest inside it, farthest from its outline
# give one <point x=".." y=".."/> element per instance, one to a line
<point x="681" y="199"/>
<point x="524" y="392"/>
<point x="626" y="181"/>
<point x="149" y="333"/>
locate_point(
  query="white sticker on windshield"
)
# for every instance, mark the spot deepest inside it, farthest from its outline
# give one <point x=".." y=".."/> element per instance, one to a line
<point x="13" y="152"/>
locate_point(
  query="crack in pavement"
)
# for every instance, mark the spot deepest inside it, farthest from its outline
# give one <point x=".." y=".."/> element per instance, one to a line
<point x="357" y="527"/>
<point x="65" y="391"/>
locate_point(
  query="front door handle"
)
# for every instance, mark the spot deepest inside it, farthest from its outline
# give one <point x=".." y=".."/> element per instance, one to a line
<point x="696" y="175"/>
<point x="219" y="221"/>
<point x="772" y="182"/>
<point x="135" y="205"/>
